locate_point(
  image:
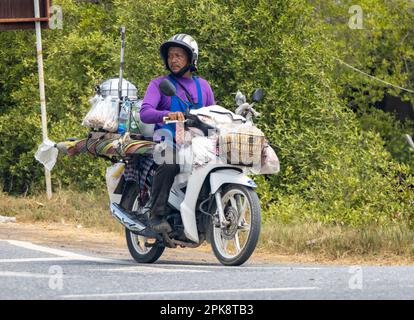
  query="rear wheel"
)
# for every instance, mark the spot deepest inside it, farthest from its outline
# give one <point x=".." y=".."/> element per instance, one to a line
<point x="235" y="242"/>
<point x="138" y="245"/>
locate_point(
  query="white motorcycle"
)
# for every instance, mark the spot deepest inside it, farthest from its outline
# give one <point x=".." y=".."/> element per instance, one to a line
<point x="214" y="202"/>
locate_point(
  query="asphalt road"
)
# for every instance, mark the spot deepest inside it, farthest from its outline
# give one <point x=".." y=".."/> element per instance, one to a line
<point x="30" y="271"/>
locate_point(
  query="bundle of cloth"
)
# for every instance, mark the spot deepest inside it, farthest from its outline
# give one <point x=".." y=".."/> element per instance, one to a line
<point x="107" y="144"/>
<point x="111" y="145"/>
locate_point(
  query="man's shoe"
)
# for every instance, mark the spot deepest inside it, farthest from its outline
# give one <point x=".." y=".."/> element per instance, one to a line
<point x="160" y="225"/>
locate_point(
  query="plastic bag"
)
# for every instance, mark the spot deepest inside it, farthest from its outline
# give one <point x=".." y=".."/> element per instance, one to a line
<point x="204" y="150"/>
<point x="146" y="129"/>
<point x="113" y="177"/>
<point x="270" y="161"/>
<point x="185" y="158"/>
<point x="47" y="154"/>
<point x="103" y="114"/>
<point x="218" y="115"/>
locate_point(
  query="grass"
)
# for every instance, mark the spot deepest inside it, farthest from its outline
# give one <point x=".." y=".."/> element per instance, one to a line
<point x="338" y="242"/>
<point x="90" y="209"/>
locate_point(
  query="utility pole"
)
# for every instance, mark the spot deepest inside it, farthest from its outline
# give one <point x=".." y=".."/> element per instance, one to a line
<point x="42" y="90"/>
<point x="17" y="15"/>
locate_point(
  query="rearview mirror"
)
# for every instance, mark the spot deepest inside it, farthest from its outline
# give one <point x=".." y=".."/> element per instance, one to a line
<point x="258" y="95"/>
<point x="167" y="88"/>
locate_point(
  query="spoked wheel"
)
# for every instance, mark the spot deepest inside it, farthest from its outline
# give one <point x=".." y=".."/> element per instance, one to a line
<point x="234" y="242"/>
<point x="138" y="245"/>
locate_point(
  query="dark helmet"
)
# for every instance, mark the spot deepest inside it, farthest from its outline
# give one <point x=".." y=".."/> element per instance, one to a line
<point x="184" y="41"/>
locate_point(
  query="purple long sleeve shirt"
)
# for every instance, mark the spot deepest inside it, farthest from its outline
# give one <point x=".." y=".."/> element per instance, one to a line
<point x="156" y="105"/>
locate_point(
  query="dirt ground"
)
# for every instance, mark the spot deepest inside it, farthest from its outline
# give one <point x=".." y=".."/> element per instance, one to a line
<point x="113" y="245"/>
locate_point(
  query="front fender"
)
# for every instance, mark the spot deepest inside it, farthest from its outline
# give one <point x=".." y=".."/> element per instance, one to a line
<point x="222" y="174"/>
<point x="225" y="176"/>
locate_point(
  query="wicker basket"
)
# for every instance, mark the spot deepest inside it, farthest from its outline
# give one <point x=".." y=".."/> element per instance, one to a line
<point x="242" y="146"/>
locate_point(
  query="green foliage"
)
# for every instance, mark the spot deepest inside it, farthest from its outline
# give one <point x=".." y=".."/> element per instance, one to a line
<point x="334" y="167"/>
<point x="76" y="58"/>
<point x="391" y="131"/>
<point x="382" y="48"/>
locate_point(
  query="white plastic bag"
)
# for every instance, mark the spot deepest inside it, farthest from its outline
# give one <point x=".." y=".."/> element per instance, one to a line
<point x="219" y="115"/>
<point x="47" y="154"/>
<point x="113" y="176"/>
<point x="185" y="158"/>
<point x="146" y="129"/>
<point x="270" y="161"/>
<point x="103" y="114"/>
<point x="204" y="150"/>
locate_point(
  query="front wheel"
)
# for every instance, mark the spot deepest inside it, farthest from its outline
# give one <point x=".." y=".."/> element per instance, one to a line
<point x="235" y="242"/>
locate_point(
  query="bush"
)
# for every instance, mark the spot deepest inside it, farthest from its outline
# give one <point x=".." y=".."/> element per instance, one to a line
<point x="392" y="132"/>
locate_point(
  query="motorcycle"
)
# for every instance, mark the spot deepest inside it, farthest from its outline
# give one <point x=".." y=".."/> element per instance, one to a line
<point x="214" y="202"/>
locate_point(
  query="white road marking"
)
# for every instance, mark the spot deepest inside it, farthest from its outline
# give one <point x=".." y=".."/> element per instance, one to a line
<point x="64" y="254"/>
<point x="246" y="267"/>
<point x="145" y="269"/>
<point x="23" y="274"/>
<point x="33" y="260"/>
<point x="193" y="268"/>
<point x="163" y="293"/>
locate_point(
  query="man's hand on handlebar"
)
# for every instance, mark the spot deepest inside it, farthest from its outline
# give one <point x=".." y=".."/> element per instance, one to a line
<point x="179" y="116"/>
<point x="190" y="121"/>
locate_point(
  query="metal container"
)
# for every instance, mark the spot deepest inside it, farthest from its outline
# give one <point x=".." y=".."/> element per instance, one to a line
<point x="110" y="88"/>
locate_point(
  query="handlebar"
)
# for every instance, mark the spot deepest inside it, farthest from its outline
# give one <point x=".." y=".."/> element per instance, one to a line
<point x="167" y="120"/>
<point x="191" y="121"/>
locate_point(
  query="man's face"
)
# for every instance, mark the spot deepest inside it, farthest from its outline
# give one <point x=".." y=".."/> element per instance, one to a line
<point x="177" y="58"/>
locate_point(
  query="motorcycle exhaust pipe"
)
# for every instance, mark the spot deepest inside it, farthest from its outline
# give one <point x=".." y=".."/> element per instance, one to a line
<point x="131" y="224"/>
<point x="125" y="219"/>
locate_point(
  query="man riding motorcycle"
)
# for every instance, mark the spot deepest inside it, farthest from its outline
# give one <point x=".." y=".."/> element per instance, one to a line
<point x="180" y="56"/>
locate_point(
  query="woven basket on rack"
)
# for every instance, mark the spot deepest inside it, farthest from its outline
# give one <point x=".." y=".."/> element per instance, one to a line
<point x="243" y="146"/>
